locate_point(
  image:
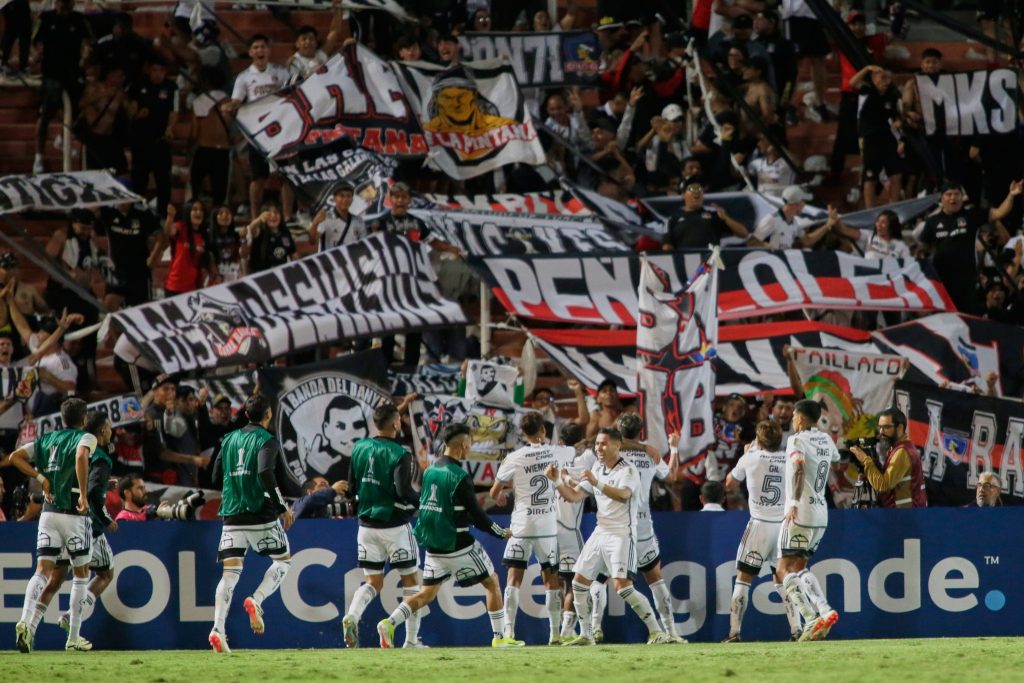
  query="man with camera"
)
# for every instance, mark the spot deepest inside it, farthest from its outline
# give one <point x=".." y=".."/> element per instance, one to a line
<point x="132" y="490"/>
<point x="899" y="481"/>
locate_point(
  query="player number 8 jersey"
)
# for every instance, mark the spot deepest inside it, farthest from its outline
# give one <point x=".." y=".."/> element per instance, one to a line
<point x="817" y="452"/>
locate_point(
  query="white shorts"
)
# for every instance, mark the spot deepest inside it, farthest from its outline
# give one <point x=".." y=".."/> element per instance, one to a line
<point x="59" y="532"/>
<point x="396" y="545"/>
<point x="648" y="553"/>
<point x="570" y="543"/>
<point x="758" y="546"/>
<point x="518" y="551"/>
<point x="611" y="555"/>
<point x="469" y="566"/>
<point x="799" y="541"/>
<point x="266" y="539"/>
<point x="101" y="557"/>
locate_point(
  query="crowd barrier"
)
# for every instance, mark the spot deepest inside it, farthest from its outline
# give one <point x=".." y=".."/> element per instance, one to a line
<point x="890" y="574"/>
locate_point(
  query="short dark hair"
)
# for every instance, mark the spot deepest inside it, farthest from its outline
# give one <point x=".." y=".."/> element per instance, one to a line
<point x="607" y="383"/>
<point x="257" y="37"/>
<point x="73" y="412"/>
<point x="125" y="483"/>
<point x="532" y="424"/>
<point x="769" y="435"/>
<point x="611" y="432"/>
<point x="896" y="415"/>
<point x="809" y="409"/>
<point x="931" y="52"/>
<point x="784" y="398"/>
<point x="713" y="492"/>
<point x="383" y="415"/>
<point x="571" y="433"/>
<point x="630" y="425"/>
<point x="94" y="420"/>
<point x="309" y="485"/>
<point x="343" y="186"/>
<point x="256" y="407"/>
<point x="454" y="431"/>
<point x="305" y="31"/>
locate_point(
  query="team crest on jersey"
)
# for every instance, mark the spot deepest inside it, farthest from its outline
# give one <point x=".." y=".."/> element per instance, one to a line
<point x="320" y="417"/>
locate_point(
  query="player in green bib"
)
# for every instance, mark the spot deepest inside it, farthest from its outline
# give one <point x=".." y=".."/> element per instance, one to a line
<point x="448" y="505"/>
<point x="64" y="526"/>
<point x="251" y="503"/>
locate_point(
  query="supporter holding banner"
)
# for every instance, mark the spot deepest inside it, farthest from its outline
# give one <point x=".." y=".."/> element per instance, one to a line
<point x="354" y="96"/>
<point x="382" y="284"/>
<point x="959" y="436"/>
<point x="540" y="59"/>
<point x="550" y="202"/>
<point x="315" y="174"/>
<point x="969" y="104"/>
<point x="473" y="115"/>
<point x="491" y="384"/>
<point x="62" y="191"/>
<point x="122" y="410"/>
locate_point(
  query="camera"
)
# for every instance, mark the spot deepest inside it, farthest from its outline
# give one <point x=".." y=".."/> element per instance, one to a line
<point x="184" y="509"/>
<point x="867" y="443"/>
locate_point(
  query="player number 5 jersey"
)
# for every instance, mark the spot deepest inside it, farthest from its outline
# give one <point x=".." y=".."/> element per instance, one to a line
<point x="535" y="511"/>
<point x="818" y="452"/>
<point x="764" y="472"/>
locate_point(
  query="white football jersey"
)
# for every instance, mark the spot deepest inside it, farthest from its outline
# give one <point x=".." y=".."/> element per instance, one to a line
<point x="817" y="451"/>
<point x="764" y="472"/>
<point x="569" y="513"/>
<point x="648" y="471"/>
<point x="535" y="512"/>
<point x="613" y="516"/>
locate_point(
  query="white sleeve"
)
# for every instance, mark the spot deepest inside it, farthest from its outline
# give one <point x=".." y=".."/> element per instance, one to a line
<point x="764" y="229"/>
<point x="661" y="471"/>
<point x="30" y="450"/>
<point x="238" y="91"/>
<point x="739" y="472"/>
<point x="506" y="470"/>
<point x="89" y="441"/>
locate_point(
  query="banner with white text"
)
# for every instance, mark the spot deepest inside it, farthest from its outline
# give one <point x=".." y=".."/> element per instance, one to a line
<point x="540" y="59"/>
<point x="969" y="103"/>
<point x="62" y="191"/>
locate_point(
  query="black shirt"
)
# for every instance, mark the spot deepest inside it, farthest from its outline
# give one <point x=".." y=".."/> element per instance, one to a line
<point x="61" y="36"/>
<point x="876" y="111"/>
<point x="271" y="249"/>
<point x="160" y="100"/>
<point x="405" y="226"/>
<point x="224" y="245"/>
<point x="952" y="237"/>
<point x="696" y="229"/>
<point x="129" y="51"/>
<point x="128" y="237"/>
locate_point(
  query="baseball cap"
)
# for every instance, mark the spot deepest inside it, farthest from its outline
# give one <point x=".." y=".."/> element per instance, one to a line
<point x="608" y="23"/>
<point x="184" y="391"/>
<point x="221" y="398"/>
<point x="794" y="194"/>
<point x="164" y="379"/>
<point x="672" y="112"/>
<point x="855" y="16"/>
<point x="344" y="185"/>
<point x="604" y="123"/>
<point x="735" y="395"/>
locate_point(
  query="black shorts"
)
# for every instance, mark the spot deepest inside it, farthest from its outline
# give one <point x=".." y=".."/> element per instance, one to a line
<point x="51" y="96"/>
<point x="134" y="291"/>
<point x="258" y="167"/>
<point x="878" y="155"/>
<point x="808" y="36"/>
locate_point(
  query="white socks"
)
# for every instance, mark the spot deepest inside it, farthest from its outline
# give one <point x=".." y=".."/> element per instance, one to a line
<point x="33" y="591"/>
<point x="38" y="616"/>
<point x="511" y="609"/>
<point x="638" y="603"/>
<point x="581" y="596"/>
<point x="738" y="607"/>
<point x="412" y="622"/>
<point x="791" y="614"/>
<point x="363" y="596"/>
<point x="497" y="618"/>
<point x="271" y="580"/>
<point x="813" y="591"/>
<point x="400" y="615"/>
<point x="663" y="603"/>
<point x="553" y="603"/>
<point x="568" y="624"/>
<point x="599" y="594"/>
<point x="222" y="602"/>
<point x="79" y="589"/>
<point x="794" y="589"/>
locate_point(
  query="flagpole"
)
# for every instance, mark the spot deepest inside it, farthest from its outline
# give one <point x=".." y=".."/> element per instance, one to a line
<point x="485" y="320"/>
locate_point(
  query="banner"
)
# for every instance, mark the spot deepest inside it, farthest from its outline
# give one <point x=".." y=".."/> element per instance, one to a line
<point x="749" y="208"/>
<point x="491" y="384"/>
<point x="749" y="357"/>
<point x="960" y="435"/>
<point x="315" y="174"/>
<point x="390" y="6"/>
<point x="17" y="383"/>
<point x="488" y="233"/>
<point x="550" y="202"/>
<point x="969" y="103"/>
<point x="676" y="343"/>
<point x="495" y="432"/>
<point x="600" y="289"/>
<point x="889" y="573"/>
<point x="435" y="378"/>
<point x="540" y="59"/>
<point x="321" y="410"/>
<point x="62" y="191"/>
<point x="851" y="387"/>
<point x="122" y="410"/>
<point x="604" y="207"/>
<point x="354" y="96"/>
<point x="378" y="285"/>
<point x="474" y="118"/>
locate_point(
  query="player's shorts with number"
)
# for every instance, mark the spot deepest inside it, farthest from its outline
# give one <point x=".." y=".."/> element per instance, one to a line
<point x="396" y="545"/>
<point x="613" y="555"/>
<point x="101" y="557"/>
<point x="266" y="539"/>
<point x="648" y="552"/>
<point x="796" y="540"/>
<point x="759" y="546"/>
<point x="59" y="532"/>
<point x="570" y="544"/>
<point x="518" y="550"/>
<point x="469" y="566"/>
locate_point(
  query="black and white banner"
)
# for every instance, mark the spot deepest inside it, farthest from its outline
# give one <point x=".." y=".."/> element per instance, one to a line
<point x="17" y="383"/>
<point x="321" y="410"/>
<point x="354" y="96"/>
<point x="390" y="6"/>
<point x="474" y="117"/>
<point x="491" y="384"/>
<point x="486" y="233"/>
<point x="749" y="208"/>
<point x="316" y="173"/>
<point x="433" y="378"/>
<point x="550" y="202"/>
<point x="969" y="103"/>
<point x="122" y="410"/>
<point x="381" y="284"/>
<point x="600" y="289"/>
<point x="540" y="59"/>
<point x="959" y="436"/>
<point x="62" y="191"/>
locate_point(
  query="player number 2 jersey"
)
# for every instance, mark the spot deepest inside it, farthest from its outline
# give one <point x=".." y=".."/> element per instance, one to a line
<point x="614" y="516"/>
<point x="818" y="452"/>
<point x="535" y="512"/>
<point x="764" y="471"/>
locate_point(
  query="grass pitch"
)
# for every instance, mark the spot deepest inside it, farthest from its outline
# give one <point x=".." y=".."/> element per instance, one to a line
<point x="904" y="661"/>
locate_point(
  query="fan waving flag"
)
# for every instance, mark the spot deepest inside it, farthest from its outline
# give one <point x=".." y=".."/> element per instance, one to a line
<point x="675" y="345"/>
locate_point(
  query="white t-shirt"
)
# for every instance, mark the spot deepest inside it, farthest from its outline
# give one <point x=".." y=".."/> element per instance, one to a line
<point x="535" y="512"/>
<point x="203" y="104"/>
<point x="771" y="177"/>
<point x="335" y="230"/>
<point x="779" y="233"/>
<point x="252" y="84"/>
<point x="613" y="516"/>
<point x="300" y="68"/>
<point x="87" y="440"/>
<point x="817" y="452"/>
<point x="763" y="471"/>
<point x="876" y="247"/>
<point x="569" y="512"/>
<point x="60" y="366"/>
<point x="649" y="471"/>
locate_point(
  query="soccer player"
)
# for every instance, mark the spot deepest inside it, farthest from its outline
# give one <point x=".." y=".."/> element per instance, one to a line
<point x="570" y="539"/>
<point x="611" y="549"/>
<point x="761" y="466"/>
<point x="534" y="521"/>
<point x="251" y="503"/>
<point x="809" y="455"/>
<point x="381" y="475"/>
<point x="447" y="506"/>
<point x="63" y="456"/>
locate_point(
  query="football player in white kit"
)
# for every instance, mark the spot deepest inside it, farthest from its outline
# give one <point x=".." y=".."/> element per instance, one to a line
<point x="809" y="457"/>
<point x="611" y="549"/>
<point x="762" y="467"/>
<point x="570" y="537"/>
<point x="534" y="520"/>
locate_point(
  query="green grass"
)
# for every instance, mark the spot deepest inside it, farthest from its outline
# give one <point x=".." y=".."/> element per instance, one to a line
<point x="900" y="661"/>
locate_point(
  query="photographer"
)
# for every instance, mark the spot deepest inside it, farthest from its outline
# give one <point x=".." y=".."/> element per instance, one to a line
<point x="900" y="481"/>
<point x="319" y="500"/>
<point x="132" y="490"/>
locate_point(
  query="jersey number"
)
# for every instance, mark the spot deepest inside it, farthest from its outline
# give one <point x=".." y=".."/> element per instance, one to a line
<point x="821" y="477"/>
<point x="770" y="486"/>
<point x="540" y="497"/>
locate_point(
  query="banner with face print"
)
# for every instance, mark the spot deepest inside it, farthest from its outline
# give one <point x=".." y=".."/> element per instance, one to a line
<point x="491" y="384"/>
<point x="321" y="410"/>
<point x="316" y="174"/>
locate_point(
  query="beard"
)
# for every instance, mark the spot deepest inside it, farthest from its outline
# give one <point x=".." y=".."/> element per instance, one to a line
<point x="887" y="442"/>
